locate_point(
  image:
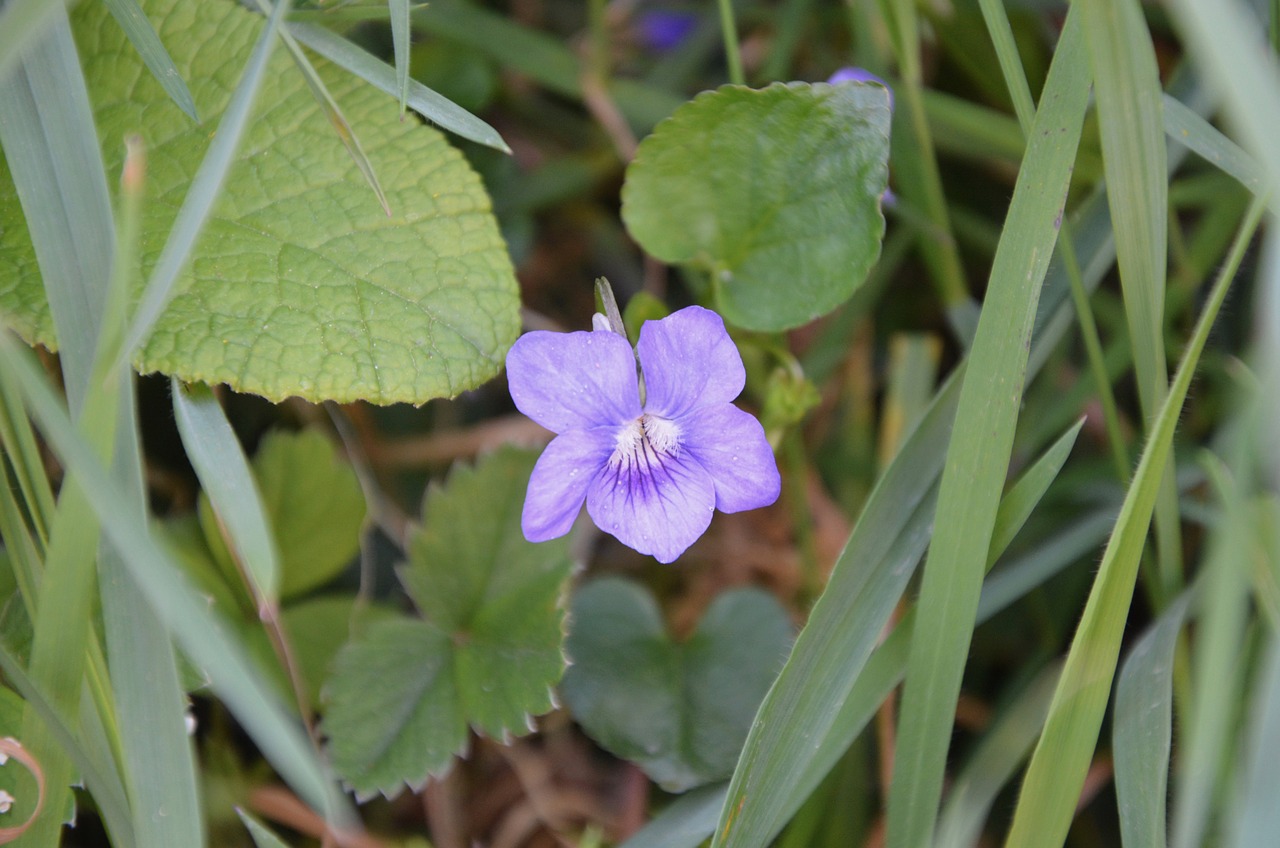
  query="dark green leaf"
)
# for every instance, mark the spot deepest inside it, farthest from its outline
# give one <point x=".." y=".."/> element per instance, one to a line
<point x="775" y="194"/>
<point x="679" y="711"/>
<point x="486" y="652"/>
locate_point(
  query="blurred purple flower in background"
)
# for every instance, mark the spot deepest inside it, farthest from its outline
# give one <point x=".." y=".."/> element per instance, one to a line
<point x="652" y="474"/>
<point x="664" y="30"/>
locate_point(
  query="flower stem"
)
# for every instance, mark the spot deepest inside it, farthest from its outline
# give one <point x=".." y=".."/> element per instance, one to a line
<point x="731" y="53"/>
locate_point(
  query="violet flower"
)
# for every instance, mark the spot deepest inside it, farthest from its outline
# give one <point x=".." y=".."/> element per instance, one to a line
<point x="653" y="473"/>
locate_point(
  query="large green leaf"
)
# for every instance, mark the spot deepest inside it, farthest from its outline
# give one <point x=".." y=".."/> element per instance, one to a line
<point x="679" y="711"/>
<point x="775" y="193"/>
<point x="485" y="653"/>
<point x="300" y="284"/>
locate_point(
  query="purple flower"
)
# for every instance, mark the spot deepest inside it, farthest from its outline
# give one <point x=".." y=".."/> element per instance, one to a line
<point x="651" y="473"/>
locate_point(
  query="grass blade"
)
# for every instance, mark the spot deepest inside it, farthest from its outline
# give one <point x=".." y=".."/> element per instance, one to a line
<point x="320" y="91"/>
<point x="224" y="472"/>
<point x="158" y="762"/>
<point x="1131" y="122"/>
<point x="1230" y="46"/>
<point x="400" y="34"/>
<point x="919" y="180"/>
<point x="1220" y="639"/>
<point x="22" y="22"/>
<point x="262" y="837"/>
<point x="142" y="35"/>
<point x="1143" y="728"/>
<point x="1053" y="780"/>
<point x="185" y="614"/>
<point x="1257" y="819"/>
<point x="47" y="130"/>
<point x="204" y="190"/>
<point x="1182" y="124"/>
<point x="434" y="107"/>
<point x="993" y="764"/>
<point x="979" y="452"/>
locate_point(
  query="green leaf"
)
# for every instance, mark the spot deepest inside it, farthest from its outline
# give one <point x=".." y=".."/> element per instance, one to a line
<point x="317" y="629"/>
<point x="486" y="652"/>
<point x="300" y="284"/>
<point x="774" y="193"/>
<point x="685" y="824"/>
<point x="314" y="504"/>
<point x="679" y="711"/>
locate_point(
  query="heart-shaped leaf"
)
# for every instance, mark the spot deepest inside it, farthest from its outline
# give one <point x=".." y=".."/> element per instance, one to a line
<point x="775" y="193"/>
<point x="486" y="652"/>
<point x="679" y="711"/>
<point x="300" y="284"/>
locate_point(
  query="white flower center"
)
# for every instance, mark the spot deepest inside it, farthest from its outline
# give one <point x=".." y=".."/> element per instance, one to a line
<point x="645" y="441"/>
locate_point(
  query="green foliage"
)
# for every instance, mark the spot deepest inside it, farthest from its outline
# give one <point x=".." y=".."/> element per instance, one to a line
<point x="679" y="710"/>
<point x="485" y="653"/>
<point x="774" y="194"/>
<point x="300" y="284"/>
<point x="258" y="246"/>
<point x="314" y="506"/>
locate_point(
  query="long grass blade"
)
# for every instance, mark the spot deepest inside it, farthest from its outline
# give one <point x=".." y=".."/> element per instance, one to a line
<point x="919" y="180"/>
<point x="142" y="35"/>
<point x="1257" y="817"/>
<point x="22" y="22"/>
<point x="993" y="764"/>
<point x="179" y="606"/>
<point x="1062" y="756"/>
<point x="979" y="451"/>
<point x="434" y="107"/>
<point x="1182" y="124"/>
<point x="1232" y="50"/>
<point x="346" y="134"/>
<point x="204" y="190"/>
<point x="262" y="837"/>
<point x="149" y="700"/>
<point x="224" y="473"/>
<point x="1220" y="638"/>
<point x="49" y="140"/>
<point x="400" y="34"/>
<point x="1131" y="123"/>
<point x="1142" y="729"/>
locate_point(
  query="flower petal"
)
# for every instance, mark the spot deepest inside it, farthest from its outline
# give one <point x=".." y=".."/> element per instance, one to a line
<point x="658" y="508"/>
<point x="730" y="444"/>
<point x="559" y="482"/>
<point x="689" y="361"/>
<point x="573" y="381"/>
